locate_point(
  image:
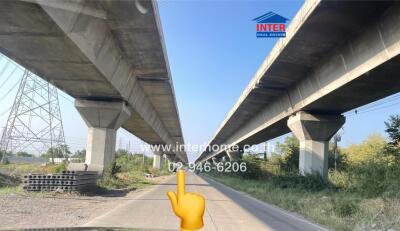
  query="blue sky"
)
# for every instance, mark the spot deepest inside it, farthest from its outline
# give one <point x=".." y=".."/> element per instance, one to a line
<point x="213" y="53"/>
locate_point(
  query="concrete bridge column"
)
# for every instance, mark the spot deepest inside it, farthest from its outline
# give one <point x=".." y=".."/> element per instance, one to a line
<point x="234" y="155"/>
<point x="157" y="159"/>
<point x="314" y="132"/>
<point x="103" y="120"/>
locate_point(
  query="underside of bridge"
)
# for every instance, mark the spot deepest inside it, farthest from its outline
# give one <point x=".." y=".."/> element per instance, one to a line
<point x="338" y="55"/>
<point x="109" y="55"/>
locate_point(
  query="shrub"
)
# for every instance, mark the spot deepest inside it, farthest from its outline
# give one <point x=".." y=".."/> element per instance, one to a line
<point x="55" y="168"/>
<point x="154" y="171"/>
<point x="370" y="149"/>
<point x="254" y="168"/>
<point x="344" y="207"/>
<point x="132" y="162"/>
<point x="297" y="181"/>
<point x="6" y="161"/>
<point x="6" y="181"/>
<point x="369" y="179"/>
<point x="289" y="152"/>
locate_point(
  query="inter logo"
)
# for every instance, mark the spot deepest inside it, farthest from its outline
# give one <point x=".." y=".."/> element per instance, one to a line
<point x="270" y="25"/>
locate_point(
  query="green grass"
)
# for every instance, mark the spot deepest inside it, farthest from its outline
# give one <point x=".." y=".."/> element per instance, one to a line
<point x="23" y="168"/>
<point x="125" y="180"/>
<point x="11" y="174"/>
<point x="9" y="184"/>
<point x="329" y="206"/>
<point x="129" y="175"/>
<point x="11" y="190"/>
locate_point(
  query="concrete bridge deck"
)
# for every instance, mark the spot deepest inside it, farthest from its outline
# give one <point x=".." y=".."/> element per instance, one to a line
<point x="338" y="55"/>
<point x="99" y="52"/>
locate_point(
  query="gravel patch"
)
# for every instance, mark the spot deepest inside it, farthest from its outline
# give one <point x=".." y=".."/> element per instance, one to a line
<point x="51" y="210"/>
<point x="33" y="211"/>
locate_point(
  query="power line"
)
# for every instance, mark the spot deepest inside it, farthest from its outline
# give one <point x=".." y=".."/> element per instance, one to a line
<point x="380" y="108"/>
<point x="7" y="110"/>
<point x="9" y="91"/>
<point x="381" y="102"/>
<point x="62" y="95"/>
<point x="4" y="68"/>
<point x="9" y="76"/>
<point x="374" y="108"/>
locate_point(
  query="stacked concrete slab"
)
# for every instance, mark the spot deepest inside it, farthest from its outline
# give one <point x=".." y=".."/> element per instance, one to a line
<point x="66" y="181"/>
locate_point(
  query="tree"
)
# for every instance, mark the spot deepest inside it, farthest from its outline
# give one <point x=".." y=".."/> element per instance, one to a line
<point x="23" y="154"/>
<point x="81" y="154"/>
<point x="289" y="150"/>
<point x="370" y="149"/>
<point x="341" y="160"/>
<point x="392" y="148"/>
<point x="393" y="130"/>
<point x="122" y="152"/>
<point x="5" y="160"/>
<point x="60" y="151"/>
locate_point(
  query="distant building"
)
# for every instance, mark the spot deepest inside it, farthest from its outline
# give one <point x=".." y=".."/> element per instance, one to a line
<point x="25" y="159"/>
<point x="60" y="160"/>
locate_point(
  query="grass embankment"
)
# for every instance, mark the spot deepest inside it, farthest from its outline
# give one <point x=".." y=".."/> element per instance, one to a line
<point x="362" y="198"/>
<point x="128" y="174"/>
<point x="9" y="184"/>
<point x="11" y="174"/>
<point x="363" y="193"/>
<point x="24" y="168"/>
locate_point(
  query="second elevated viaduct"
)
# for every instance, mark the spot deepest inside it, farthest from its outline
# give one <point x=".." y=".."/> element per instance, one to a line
<point x="338" y="55"/>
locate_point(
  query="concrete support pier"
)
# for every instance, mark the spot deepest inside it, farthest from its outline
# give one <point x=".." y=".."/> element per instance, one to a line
<point x="314" y="132"/>
<point x="157" y="160"/>
<point x="234" y="155"/>
<point x="103" y="120"/>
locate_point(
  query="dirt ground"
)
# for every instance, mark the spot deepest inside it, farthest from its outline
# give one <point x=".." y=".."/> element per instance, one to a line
<point x="49" y="210"/>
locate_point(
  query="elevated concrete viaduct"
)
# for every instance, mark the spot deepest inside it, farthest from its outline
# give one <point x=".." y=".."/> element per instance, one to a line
<point x="338" y="55"/>
<point x="110" y="56"/>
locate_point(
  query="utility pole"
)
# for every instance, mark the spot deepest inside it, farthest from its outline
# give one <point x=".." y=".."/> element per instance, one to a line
<point x="265" y="150"/>
<point x="336" y="138"/>
<point x="143" y="157"/>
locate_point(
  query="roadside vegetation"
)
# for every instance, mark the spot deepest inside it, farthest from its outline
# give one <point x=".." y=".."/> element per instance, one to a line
<point x="9" y="184"/>
<point x="129" y="171"/>
<point x="11" y="174"/>
<point x="363" y="193"/>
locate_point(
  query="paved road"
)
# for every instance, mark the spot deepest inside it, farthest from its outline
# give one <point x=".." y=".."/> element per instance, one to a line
<point x="226" y="209"/>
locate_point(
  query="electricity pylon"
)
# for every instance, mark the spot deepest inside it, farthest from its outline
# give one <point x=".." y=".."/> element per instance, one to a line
<point x="34" y="123"/>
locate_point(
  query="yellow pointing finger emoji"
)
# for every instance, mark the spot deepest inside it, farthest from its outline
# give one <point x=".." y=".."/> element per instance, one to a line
<point x="189" y="207"/>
